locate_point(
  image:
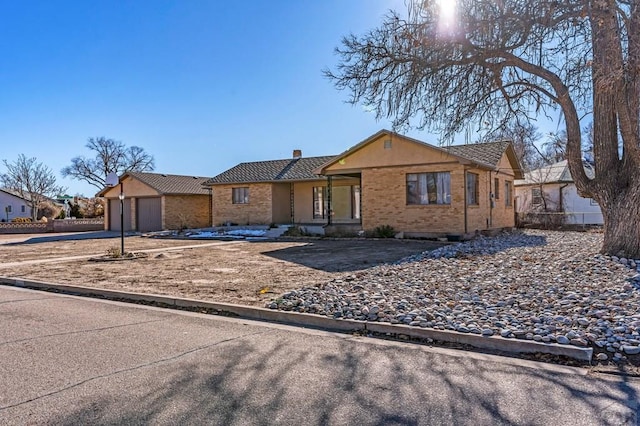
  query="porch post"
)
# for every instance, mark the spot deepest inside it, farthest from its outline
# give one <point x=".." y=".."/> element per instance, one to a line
<point x="329" y="208"/>
<point x="292" y="214"/>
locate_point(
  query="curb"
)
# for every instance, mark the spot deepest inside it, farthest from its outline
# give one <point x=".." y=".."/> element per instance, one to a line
<point x="317" y="321"/>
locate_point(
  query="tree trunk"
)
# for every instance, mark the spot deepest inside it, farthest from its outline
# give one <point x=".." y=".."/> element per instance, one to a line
<point x="622" y="223"/>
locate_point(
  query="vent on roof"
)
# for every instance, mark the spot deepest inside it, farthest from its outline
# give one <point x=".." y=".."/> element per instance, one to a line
<point x="297" y="153"/>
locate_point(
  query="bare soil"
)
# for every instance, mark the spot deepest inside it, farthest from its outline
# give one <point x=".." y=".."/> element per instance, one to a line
<point x="242" y="272"/>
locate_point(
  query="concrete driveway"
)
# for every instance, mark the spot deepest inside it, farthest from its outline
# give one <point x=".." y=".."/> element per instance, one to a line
<point x="68" y="360"/>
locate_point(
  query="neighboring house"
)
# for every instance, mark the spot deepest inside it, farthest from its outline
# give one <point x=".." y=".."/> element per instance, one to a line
<point x="12" y="205"/>
<point x="552" y="189"/>
<point x="387" y="179"/>
<point x="155" y="201"/>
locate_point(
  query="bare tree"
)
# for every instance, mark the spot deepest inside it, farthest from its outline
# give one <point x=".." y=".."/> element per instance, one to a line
<point x="33" y="181"/>
<point x="445" y="64"/>
<point x="111" y="156"/>
<point x="555" y="147"/>
<point x="524" y="137"/>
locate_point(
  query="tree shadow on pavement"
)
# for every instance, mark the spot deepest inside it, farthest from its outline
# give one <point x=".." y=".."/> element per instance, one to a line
<point x="351" y="255"/>
<point x="250" y="382"/>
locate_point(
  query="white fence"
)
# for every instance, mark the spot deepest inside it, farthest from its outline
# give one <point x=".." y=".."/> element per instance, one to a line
<point x="557" y="219"/>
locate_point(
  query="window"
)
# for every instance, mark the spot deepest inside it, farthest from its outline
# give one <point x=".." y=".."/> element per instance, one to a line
<point x="23" y="208"/>
<point x="496" y="190"/>
<point x="8" y="209"/>
<point x="345" y="202"/>
<point x="429" y="188"/>
<point x="240" y="195"/>
<point x="536" y="196"/>
<point x="472" y="189"/>
<point x="319" y="202"/>
<point x="508" y="187"/>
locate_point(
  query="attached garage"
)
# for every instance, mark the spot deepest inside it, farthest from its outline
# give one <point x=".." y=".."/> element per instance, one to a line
<point x="155" y="202"/>
<point x="149" y="211"/>
<point x="114" y="215"/>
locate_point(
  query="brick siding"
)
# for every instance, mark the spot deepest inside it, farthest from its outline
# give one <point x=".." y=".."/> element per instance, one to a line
<point x="384" y="202"/>
<point x="186" y="211"/>
<point x="257" y="212"/>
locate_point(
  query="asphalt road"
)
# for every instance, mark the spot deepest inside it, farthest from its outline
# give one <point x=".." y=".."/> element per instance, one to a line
<point x="68" y="360"/>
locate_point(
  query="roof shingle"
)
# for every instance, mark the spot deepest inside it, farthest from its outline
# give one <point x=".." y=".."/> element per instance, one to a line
<point x="488" y="153"/>
<point x="270" y="171"/>
<point x="172" y="184"/>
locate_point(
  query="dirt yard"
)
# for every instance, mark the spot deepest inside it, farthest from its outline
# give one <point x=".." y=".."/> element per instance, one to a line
<point x="243" y="272"/>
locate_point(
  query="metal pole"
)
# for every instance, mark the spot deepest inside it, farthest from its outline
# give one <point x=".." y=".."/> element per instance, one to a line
<point x="121" y="220"/>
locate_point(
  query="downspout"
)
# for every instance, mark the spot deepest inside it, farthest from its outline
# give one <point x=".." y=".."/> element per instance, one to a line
<point x="464" y="185"/>
<point x="210" y="206"/>
<point x="490" y="224"/>
<point x="329" y="207"/>
<point x="292" y="213"/>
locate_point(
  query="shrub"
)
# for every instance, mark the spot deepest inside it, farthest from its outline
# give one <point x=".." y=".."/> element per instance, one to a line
<point x="21" y="220"/>
<point x="92" y="207"/>
<point x="384" y="231"/>
<point x="49" y="210"/>
<point x="76" y="211"/>
<point x="113" y="252"/>
<point x="296" y="231"/>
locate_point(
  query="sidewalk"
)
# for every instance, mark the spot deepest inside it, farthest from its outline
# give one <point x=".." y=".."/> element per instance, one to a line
<point x="88" y="256"/>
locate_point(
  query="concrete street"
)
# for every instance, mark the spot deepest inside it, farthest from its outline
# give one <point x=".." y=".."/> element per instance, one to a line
<point x="69" y="360"/>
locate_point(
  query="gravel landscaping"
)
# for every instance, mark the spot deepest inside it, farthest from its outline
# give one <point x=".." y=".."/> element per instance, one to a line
<point x="537" y="285"/>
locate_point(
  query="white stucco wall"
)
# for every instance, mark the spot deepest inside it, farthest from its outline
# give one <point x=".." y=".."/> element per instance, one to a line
<point x="584" y="210"/>
<point x="17" y="204"/>
<point x="579" y="210"/>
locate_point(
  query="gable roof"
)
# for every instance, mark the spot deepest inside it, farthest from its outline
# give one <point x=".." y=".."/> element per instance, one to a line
<point x="293" y="169"/>
<point x="15" y="194"/>
<point x="554" y="173"/>
<point x="167" y="184"/>
<point x="485" y="155"/>
<point x="488" y="153"/>
<point x="27" y="196"/>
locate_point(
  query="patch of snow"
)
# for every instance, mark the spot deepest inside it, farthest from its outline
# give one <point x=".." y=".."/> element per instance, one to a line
<point x="235" y="233"/>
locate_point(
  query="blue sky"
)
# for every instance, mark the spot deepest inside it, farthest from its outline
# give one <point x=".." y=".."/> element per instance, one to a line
<point x="200" y="85"/>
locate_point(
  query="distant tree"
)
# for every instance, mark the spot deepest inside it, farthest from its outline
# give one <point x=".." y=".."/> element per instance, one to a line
<point x="32" y="180"/>
<point x="555" y="148"/>
<point x="49" y="210"/>
<point x="524" y="137"/>
<point x="587" y="146"/>
<point x="92" y="207"/>
<point x="111" y="156"/>
<point x="76" y="211"/>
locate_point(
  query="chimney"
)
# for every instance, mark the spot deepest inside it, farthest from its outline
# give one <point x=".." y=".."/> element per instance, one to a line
<point x="297" y="153"/>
